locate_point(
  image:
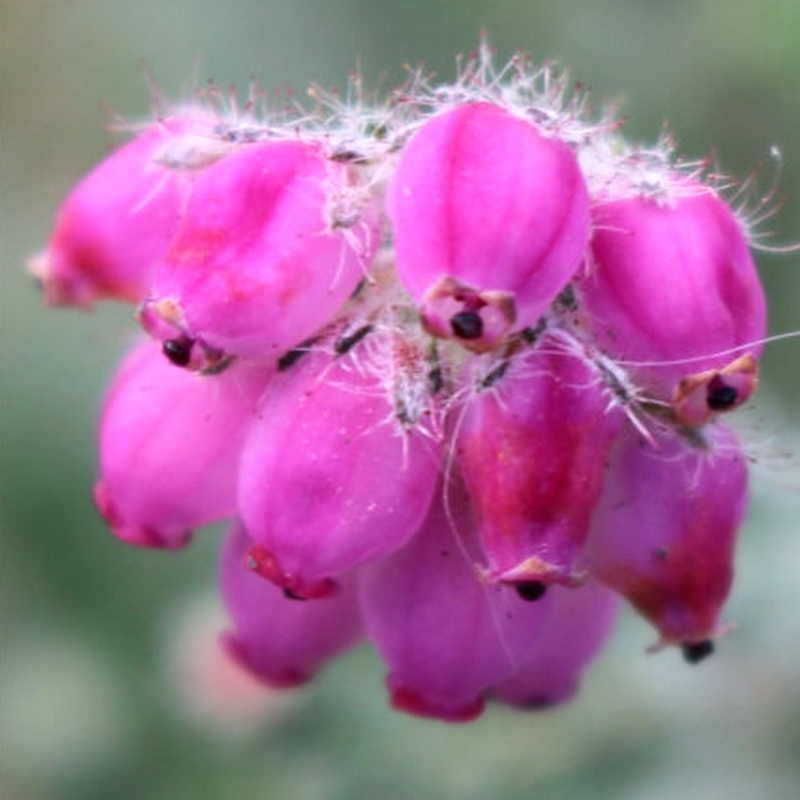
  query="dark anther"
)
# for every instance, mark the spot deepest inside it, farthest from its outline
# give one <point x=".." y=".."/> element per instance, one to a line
<point x="467" y="325"/>
<point x="345" y="343"/>
<point x="178" y="351"/>
<point x="697" y="651"/>
<point x="531" y="590"/>
<point x="290" y="595"/>
<point x="720" y="396"/>
<point x="494" y="374"/>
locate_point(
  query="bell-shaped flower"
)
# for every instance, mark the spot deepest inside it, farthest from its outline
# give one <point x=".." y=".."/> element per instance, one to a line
<point x="280" y="640"/>
<point x="490" y="220"/>
<point x="672" y="290"/>
<point x="330" y="477"/>
<point x="577" y="623"/>
<point x="262" y="258"/>
<point x="445" y="635"/>
<point x="533" y="449"/>
<point x="664" y="531"/>
<point x="169" y="446"/>
<point x="118" y="220"/>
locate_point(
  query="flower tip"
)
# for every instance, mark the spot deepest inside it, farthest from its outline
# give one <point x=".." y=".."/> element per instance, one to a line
<point x="136" y="535"/>
<point x="410" y="702"/>
<point x="234" y="648"/>
<point x="261" y="561"/>
<point x="57" y="291"/>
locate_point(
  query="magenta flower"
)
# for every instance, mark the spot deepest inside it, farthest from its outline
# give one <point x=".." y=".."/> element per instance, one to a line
<point x="671" y="289"/>
<point x="454" y="376"/>
<point x="260" y="260"/>
<point x="119" y="219"/>
<point x="490" y="221"/>
<point x="280" y="640"/>
<point x="169" y="445"/>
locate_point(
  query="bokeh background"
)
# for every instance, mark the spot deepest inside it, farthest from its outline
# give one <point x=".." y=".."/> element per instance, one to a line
<point x="109" y="683"/>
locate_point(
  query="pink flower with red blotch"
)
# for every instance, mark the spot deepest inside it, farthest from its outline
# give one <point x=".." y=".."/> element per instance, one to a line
<point x="451" y="368"/>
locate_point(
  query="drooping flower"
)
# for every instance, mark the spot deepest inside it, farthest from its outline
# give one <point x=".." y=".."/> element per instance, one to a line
<point x="490" y="220"/>
<point x="280" y="640"/>
<point x="119" y="220"/>
<point x="671" y="290"/>
<point x="261" y="260"/>
<point x="664" y="531"/>
<point x="169" y="445"/>
<point x="533" y="448"/>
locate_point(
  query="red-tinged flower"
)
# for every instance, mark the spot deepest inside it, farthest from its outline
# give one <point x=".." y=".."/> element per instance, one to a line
<point x="671" y="290"/>
<point x="330" y="477"/>
<point x="445" y="636"/>
<point x="261" y="260"/>
<point x="577" y="624"/>
<point x="490" y="220"/>
<point x="533" y="448"/>
<point x="664" y="531"/>
<point x="281" y="640"/>
<point x="169" y="446"/>
<point x="118" y="220"/>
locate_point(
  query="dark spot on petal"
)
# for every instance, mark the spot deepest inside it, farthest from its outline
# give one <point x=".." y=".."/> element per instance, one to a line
<point x="696" y="652"/>
<point x="720" y="396"/>
<point x="178" y="351"/>
<point x="531" y="590"/>
<point x="467" y="325"/>
<point x="290" y="595"/>
<point x="435" y="380"/>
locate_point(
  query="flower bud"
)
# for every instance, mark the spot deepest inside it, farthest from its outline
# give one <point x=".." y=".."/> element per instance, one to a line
<point x="533" y="449"/>
<point x="664" y="531"/>
<point x="116" y="222"/>
<point x="329" y="478"/>
<point x="261" y="260"/>
<point x="577" y="623"/>
<point x="671" y="288"/>
<point x="280" y="640"/>
<point x="490" y="220"/>
<point x="169" y="446"/>
<point x="445" y="636"/>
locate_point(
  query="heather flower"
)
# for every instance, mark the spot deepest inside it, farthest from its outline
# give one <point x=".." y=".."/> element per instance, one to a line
<point x="329" y="477"/>
<point x="664" y="531"/>
<point x="455" y="363"/>
<point x="533" y="446"/>
<point x="260" y="260"/>
<point x="280" y="640"/>
<point x="671" y="289"/>
<point x="446" y="636"/>
<point x="490" y="221"/>
<point x="119" y="219"/>
<point x="169" y="446"/>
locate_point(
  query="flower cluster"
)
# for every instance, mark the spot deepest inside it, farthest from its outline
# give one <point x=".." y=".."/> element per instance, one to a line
<point x="453" y="366"/>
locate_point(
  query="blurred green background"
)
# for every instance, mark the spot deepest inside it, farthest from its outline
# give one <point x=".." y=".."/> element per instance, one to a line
<point x="109" y="687"/>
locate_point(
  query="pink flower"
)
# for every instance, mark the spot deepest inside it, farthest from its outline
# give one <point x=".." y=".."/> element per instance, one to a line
<point x="261" y="260"/>
<point x="118" y="220"/>
<point x="280" y="640"/>
<point x="445" y="636"/>
<point x="664" y="531"/>
<point x="329" y="478"/>
<point x="533" y="448"/>
<point x="670" y="288"/>
<point x="490" y="220"/>
<point x="169" y="446"/>
<point x="576" y="625"/>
